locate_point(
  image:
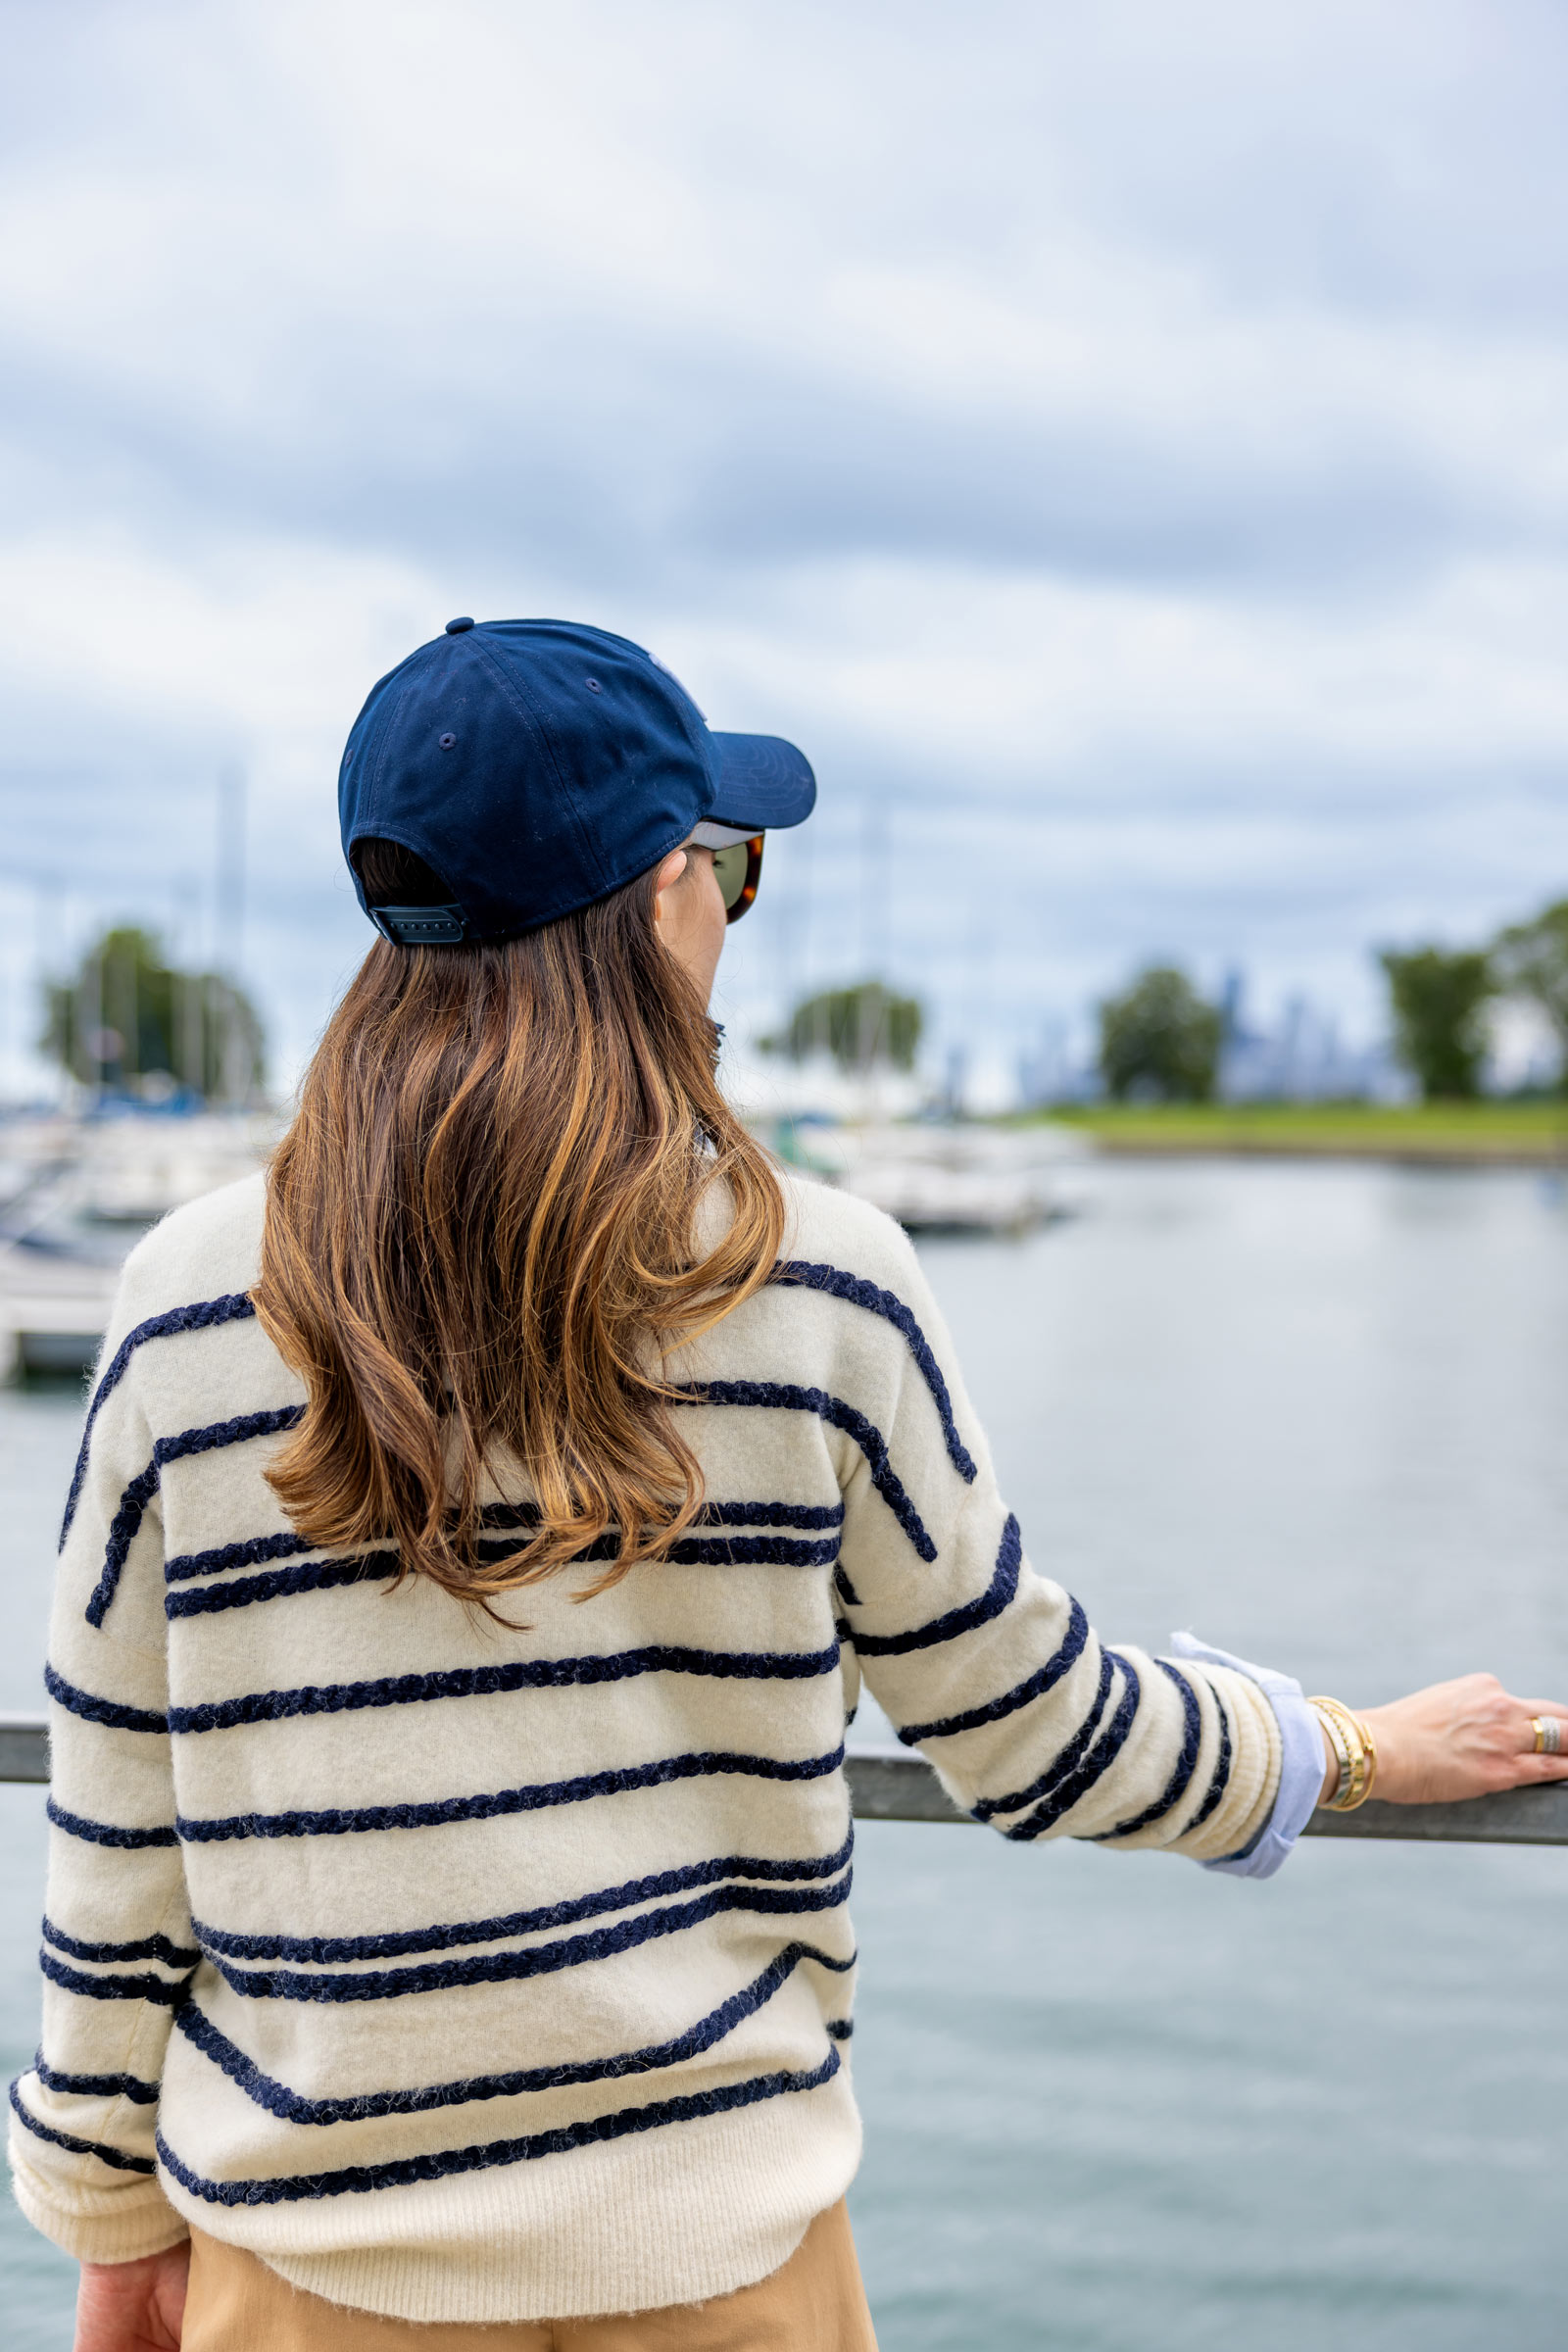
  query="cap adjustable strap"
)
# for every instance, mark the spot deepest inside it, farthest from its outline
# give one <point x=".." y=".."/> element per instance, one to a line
<point x="421" y="926"/>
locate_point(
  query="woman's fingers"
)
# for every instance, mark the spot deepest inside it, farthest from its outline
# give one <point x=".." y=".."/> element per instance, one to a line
<point x="1544" y="1715"/>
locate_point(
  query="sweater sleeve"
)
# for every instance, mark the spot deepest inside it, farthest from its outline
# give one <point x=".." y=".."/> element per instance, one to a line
<point x="117" y="1939"/>
<point x="1034" y="1724"/>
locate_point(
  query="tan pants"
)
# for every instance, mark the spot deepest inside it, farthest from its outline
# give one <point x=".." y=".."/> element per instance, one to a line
<point x="815" y="2303"/>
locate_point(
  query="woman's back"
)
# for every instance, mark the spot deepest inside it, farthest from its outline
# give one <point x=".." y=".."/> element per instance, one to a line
<point x="520" y="1965"/>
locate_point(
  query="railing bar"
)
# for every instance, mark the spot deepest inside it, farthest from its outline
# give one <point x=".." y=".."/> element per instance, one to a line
<point x="887" y="1784"/>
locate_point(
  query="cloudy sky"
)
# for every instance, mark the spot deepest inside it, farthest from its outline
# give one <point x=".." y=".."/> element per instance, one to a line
<point x="1127" y="447"/>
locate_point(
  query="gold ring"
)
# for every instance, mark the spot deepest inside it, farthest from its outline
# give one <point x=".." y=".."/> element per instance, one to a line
<point x="1547" y="1730"/>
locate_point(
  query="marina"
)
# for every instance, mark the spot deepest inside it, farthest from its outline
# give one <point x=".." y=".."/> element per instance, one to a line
<point x="75" y="1195"/>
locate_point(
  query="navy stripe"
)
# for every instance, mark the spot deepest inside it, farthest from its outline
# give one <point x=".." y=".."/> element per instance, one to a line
<point x="200" y="1316"/>
<point x="278" y="2100"/>
<point x="538" y="1960"/>
<point x="120" y="2162"/>
<point x="123" y="1529"/>
<point x="784" y="1396"/>
<point x="101" y="1710"/>
<point x="394" y="1944"/>
<point x="1066" y="1758"/>
<point x="1098" y="1761"/>
<point x="345" y="1822"/>
<point x="1044" y="1678"/>
<point x="1186" y="1763"/>
<point x="145" y="1947"/>
<point x="696" y="1551"/>
<point x="751" y="1551"/>
<point x="313" y="1576"/>
<point x="799" y="1273"/>
<point x="327" y="1575"/>
<point x="248" y="1554"/>
<point x="112" y="1989"/>
<point x="491" y="1682"/>
<point x="844" y="1588"/>
<point x="97" y="2087"/>
<point x="1222" y="1768"/>
<point x="771" y="1514"/>
<point x="509" y="1514"/>
<point x="133" y="1503"/>
<point x="711" y="1514"/>
<point x="357" y="2179"/>
<point x="991" y="1603"/>
<point x="104" y="1832"/>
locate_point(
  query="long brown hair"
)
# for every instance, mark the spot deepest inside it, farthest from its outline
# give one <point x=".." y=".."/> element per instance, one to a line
<point x="482" y="1239"/>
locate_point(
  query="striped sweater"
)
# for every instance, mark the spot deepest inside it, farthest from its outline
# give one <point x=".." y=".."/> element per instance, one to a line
<point x="470" y="1973"/>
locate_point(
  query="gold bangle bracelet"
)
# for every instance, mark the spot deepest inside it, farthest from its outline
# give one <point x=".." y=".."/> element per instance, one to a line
<point x="1347" y="1799"/>
<point x="1341" y="1746"/>
<point x="1353" y="1745"/>
<point x="1365" y="1730"/>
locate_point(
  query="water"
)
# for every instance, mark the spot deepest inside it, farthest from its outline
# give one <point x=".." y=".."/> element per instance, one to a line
<point x="1319" y="1414"/>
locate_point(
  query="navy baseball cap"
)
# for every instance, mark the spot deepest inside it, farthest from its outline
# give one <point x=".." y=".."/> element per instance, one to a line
<point x="537" y="766"/>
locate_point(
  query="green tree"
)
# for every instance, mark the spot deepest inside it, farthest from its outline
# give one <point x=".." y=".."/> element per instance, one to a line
<point x="857" y="1026"/>
<point x="1438" y="998"/>
<point x="1531" y="959"/>
<point x="128" y="1015"/>
<point x="1160" y="1038"/>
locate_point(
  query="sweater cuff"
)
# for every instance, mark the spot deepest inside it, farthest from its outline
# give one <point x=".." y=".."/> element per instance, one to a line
<point x="1300" y="1762"/>
<point x="98" y="2224"/>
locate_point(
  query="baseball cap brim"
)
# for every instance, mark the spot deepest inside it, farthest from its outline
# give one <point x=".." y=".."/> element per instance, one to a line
<point x="764" y="784"/>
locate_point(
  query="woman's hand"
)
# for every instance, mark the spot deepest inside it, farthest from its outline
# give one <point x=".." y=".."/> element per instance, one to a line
<point x="133" y="2306"/>
<point x="1469" y="1737"/>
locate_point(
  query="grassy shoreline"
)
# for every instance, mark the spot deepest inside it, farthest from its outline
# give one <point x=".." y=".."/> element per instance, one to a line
<point x="1434" y="1134"/>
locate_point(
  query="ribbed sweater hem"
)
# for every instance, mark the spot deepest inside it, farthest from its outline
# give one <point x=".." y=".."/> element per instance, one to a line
<point x="672" y="2217"/>
<point x="97" y="2225"/>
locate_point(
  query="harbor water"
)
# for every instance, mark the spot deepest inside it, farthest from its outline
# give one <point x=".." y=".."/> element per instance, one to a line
<point x="1319" y="1414"/>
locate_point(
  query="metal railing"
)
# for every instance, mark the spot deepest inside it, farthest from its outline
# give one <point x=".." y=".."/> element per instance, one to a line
<point x="23" y="1747"/>
<point x="887" y="1784"/>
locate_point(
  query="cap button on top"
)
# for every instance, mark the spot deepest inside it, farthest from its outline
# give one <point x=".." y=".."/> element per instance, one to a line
<point x="455" y="628"/>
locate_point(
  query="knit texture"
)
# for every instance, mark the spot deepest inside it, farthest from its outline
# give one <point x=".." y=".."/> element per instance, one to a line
<point x="474" y="1974"/>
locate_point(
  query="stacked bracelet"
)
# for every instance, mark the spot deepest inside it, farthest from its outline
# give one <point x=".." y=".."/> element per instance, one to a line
<point x="1353" y="1743"/>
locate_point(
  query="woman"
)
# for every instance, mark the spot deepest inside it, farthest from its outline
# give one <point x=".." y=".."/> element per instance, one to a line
<point x="478" y="1535"/>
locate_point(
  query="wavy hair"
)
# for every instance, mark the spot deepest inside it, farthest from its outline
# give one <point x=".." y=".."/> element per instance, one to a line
<point x="482" y="1241"/>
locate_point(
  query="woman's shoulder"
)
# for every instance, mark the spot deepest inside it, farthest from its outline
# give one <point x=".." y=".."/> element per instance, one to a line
<point x="833" y="1229"/>
<point x="208" y="1250"/>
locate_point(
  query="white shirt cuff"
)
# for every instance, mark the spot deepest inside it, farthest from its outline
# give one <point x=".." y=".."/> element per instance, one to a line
<point x="1300" y="1762"/>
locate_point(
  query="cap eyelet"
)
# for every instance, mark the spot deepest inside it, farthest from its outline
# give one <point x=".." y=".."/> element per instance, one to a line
<point x="593" y="686"/>
<point x="445" y="742"/>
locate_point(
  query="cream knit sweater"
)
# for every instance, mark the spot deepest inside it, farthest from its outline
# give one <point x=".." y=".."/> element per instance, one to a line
<point x="473" y="1975"/>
